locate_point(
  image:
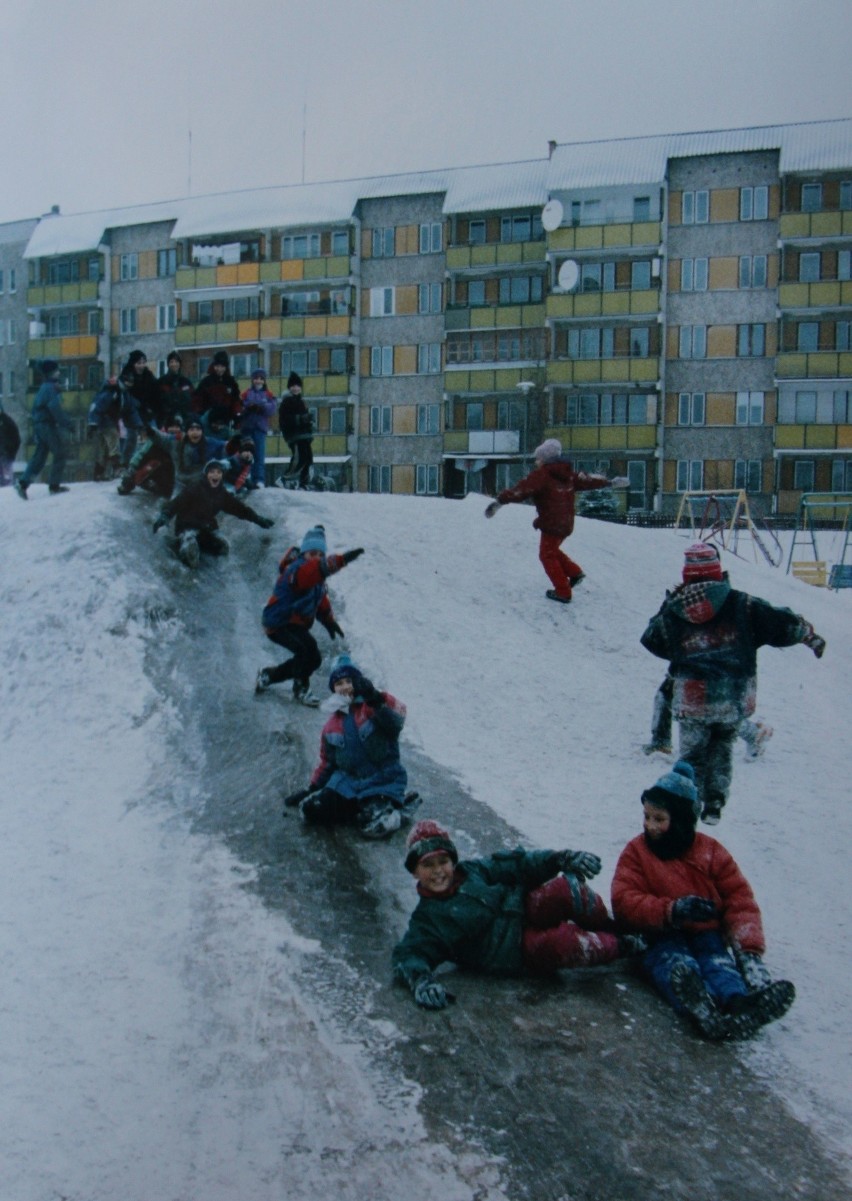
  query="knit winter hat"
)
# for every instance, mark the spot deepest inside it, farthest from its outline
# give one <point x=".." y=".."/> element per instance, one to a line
<point x="174" y="357"/>
<point x="294" y="378"/>
<point x="428" y="838"/>
<point x="314" y="539"/>
<point x="701" y="562"/>
<point x="676" y="792"/>
<point x="247" y="444"/>
<point x="342" y="668"/>
<point x="549" y="450"/>
<point x="214" y="465"/>
<point x="193" y="421"/>
<point x="49" y="366"/>
<point x="258" y="373"/>
<point x="221" y="359"/>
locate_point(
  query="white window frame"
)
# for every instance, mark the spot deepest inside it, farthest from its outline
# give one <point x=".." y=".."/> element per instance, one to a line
<point x="381" y="479"/>
<point x="690" y="475"/>
<point x="381" y="360"/>
<point x="748" y="475"/>
<point x="810" y="267"/>
<point x="382" y="302"/>
<point x="381" y="420"/>
<point x="750" y="407"/>
<point x="127" y="321"/>
<point x="804" y="474"/>
<point x="751" y="340"/>
<point x="815" y="190"/>
<point x="429" y="418"/>
<point x="429" y="358"/>
<point x="692" y="408"/>
<point x="429" y="298"/>
<point x="426" y="479"/>
<point x="337" y="420"/>
<point x="431" y="238"/>
<point x="383" y="242"/>
<point x="13" y="280"/>
<point x="692" y="342"/>
<point x="695" y="207"/>
<point x="166" y="317"/>
<point x="129" y="266"/>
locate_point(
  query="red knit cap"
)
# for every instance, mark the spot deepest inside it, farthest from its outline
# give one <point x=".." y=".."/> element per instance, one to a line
<point x="701" y="562"/>
<point x="428" y="838"/>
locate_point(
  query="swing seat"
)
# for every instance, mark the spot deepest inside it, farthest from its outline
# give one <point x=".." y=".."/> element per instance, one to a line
<point x="841" y="576"/>
<point x="811" y="571"/>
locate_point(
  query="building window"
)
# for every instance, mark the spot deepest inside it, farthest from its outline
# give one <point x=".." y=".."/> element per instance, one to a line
<point x="692" y="343"/>
<point x="691" y="408"/>
<point x="94" y="270"/>
<point x="431" y="240"/>
<point x="521" y="228"/>
<point x="93" y="321"/>
<point x="381" y="360"/>
<point x="841" y="414"/>
<point x="380" y="479"/>
<point x="841" y="475"/>
<point x="240" y="308"/>
<point x="340" y="242"/>
<point x="753" y="271"/>
<point x="380" y="419"/>
<point x="381" y="302"/>
<point x="1" y="384"/>
<point x="640" y="275"/>
<point x="127" y="321"/>
<point x="204" y="314"/>
<point x="166" y="317"/>
<point x="640" y="341"/>
<point x="747" y="474"/>
<point x="337" y="420"/>
<point x="636" y="482"/>
<point x="429" y="358"/>
<point x="95" y="375"/>
<point x="641" y="208"/>
<point x="749" y="410"/>
<point x="843" y="264"/>
<point x="523" y="289"/>
<point x="242" y="365"/>
<point x="751" y="340"/>
<point x="811" y="197"/>
<point x="476" y="292"/>
<point x="304" y="362"/>
<point x="690" y="475"/>
<point x="803" y="475"/>
<point x="65" y="271"/>
<point x="337" y="360"/>
<point x="428" y="419"/>
<point x="426" y="479"/>
<point x="695" y="208"/>
<point x="693" y="275"/>
<point x="754" y="203"/>
<point x="300" y="246"/>
<point x="809" y="267"/>
<point x="129" y="266"/>
<point x="294" y="304"/>
<point x="429" y="298"/>
<point x="383" y="242"/>
<point x="474" y="415"/>
<point x="62" y="325"/>
<point x="1" y="282"/>
<point x="841" y="335"/>
<point x="167" y="262"/>
<point x="13" y="280"/>
<point x="807" y="337"/>
<point x="476" y="233"/>
<point x="846" y="194"/>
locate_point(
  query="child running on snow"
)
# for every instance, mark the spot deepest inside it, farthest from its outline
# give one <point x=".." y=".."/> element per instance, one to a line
<point x="299" y="598"/>
<point x="359" y="778"/>
<point x="551" y="487"/>
<point x="514" y="913"/>
<point x="685" y="893"/>
<point x="755" y="734"/>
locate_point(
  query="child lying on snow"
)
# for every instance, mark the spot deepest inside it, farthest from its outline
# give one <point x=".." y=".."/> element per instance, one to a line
<point x="685" y="893"/>
<point x="515" y="912"/>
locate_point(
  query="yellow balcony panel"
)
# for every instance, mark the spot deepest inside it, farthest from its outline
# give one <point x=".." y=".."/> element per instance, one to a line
<point x="292" y="327"/>
<point x="483" y="256"/>
<point x="793" y="296"/>
<point x="820" y="437"/>
<point x="826" y="225"/>
<point x="455" y="441"/>
<point x="270" y="273"/>
<point x="643" y="371"/>
<point x="84" y="347"/>
<point x="560" y="306"/>
<point x="456" y="381"/>
<point x="337" y="266"/>
<point x="89" y="289"/>
<point x="641" y="437"/>
<point x="270" y="327"/>
<point x="482" y="318"/>
<point x="508" y="316"/>
<point x="330" y="444"/>
<point x="589" y="370"/>
<point x="316" y="327"/>
<point x="532" y="316"/>
<point x="227" y="275"/>
<point x="35" y="295"/>
<point x="507" y="378"/>
<point x="789" y="437"/>
<point x="617" y="235"/>
<point x="614" y="371"/>
<point x="560" y="371"/>
<point x="561" y="239"/>
<point x="587" y="304"/>
<point x="316" y="268"/>
<point x="584" y="437"/>
<point x="534" y="252"/>
<point x="313" y="385"/>
<point x="184" y="278"/>
<point x="613" y="437"/>
<point x="510" y="252"/>
<point x="338" y="327"/>
<point x="794" y="225"/>
<point x="791" y="365"/>
<point x="615" y="303"/>
<point x="248" y="331"/>
<point x="846" y="291"/>
<point x="225" y="331"/>
<point x="53" y="294"/>
<point x="248" y="273"/>
<point x="844" y="437"/>
<point x="293" y="269"/>
<point x="482" y="381"/>
<point x="645" y="300"/>
<point x="646" y="233"/>
<point x="823" y="364"/>
<point x="336" y="385"/>
<point x="588" y="237"/>
<point x="458" y="258"/>
<point x="846" y="224"/>
<point x="825" y="294"/>
<point x="844" y="364"/>
<point x="185" y="335"/>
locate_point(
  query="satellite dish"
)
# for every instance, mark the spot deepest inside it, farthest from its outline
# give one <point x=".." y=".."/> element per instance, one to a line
<point x="551" y="215"/>
<point x="569" y="275"/>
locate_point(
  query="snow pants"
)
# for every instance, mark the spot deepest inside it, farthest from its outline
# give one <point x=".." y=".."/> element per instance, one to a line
<point x="708" y="747"/>
<point x="306" y="655"/>
<point x="107" y="457"/>
<point x="661" y="720"/>
<point x="566" y="924"/>
<point x="561" y="571"/>
<point x="374" y="817"/>
<point x="49" y="441"/>
<point x="301" y="461"/>
<point x="705" y="952"/>
<point x="258" y="467"/>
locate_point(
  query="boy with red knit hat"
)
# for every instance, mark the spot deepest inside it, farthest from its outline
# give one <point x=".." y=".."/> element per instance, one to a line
<point x="513" y="913"/>
<point x="710" y="634"/>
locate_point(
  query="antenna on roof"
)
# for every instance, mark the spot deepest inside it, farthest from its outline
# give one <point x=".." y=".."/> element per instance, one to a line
<point x="189" y="162"/>
<point x="304" y="136"/>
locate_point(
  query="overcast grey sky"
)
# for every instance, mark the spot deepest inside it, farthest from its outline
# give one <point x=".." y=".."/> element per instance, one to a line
<point x="98" y="96"/>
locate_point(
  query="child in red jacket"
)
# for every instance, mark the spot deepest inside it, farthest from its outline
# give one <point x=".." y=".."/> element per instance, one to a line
<point x="551" y="488"/>
<point x="685" y="893"/>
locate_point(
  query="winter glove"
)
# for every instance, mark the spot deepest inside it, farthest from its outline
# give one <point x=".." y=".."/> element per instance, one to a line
<point x="816" y="644"/>
<point x="429" y="994"/>
<point x="126" y="485"/>
<point x="265" y="523"/>
<point x="369" y="693"/>
<point x="335" y="630"/>
<point x="351" y="555"/>
<point x="753" y="970"/>
<point x="580" y="863"/>
<point x="296" y="798"/>
<point x="492" y="508"/>
<point x="693" y="909"/>
<point x="160" y="522"/>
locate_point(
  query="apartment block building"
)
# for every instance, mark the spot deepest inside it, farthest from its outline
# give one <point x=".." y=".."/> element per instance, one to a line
<point x="673" y="308"/>
<point x="14" y="236"/>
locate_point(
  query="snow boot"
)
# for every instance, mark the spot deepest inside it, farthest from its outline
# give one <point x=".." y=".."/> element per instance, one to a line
<point x="21" y="489"/>
<point x="711" y="814"/>
<point x="409" y="804"/>
<point x="688" y="987"/>
<point x="55" y="489"/>
<point x="748" y="1013"/>
<point x="378" y="819"/>
<point x="652" y="748"/>
<point x="303" y="694"/>
<point x="757" y="742"/>
<point x="126" y="484"/>
<point x="578" y="579"/>
<point x="188" y="550"/>
<point x="263" y="681"/>
<point x="553" y="595"/>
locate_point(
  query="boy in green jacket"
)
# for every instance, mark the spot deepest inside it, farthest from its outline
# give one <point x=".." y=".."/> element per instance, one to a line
<point x="513" y="913"/>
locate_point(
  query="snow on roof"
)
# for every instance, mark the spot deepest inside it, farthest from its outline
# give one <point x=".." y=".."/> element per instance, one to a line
<point x="58" y="233"/>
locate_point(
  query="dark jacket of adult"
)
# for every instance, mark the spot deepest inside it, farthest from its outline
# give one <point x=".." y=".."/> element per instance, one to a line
<point x="219" y="397"/>
<point x="10" y="437"/>
<point x="142" y="395"/>
<point x="199" y="504"/>
<point x="551" y="488"/>
<point x="294" y="419"/>
<point x="175" y="395"/>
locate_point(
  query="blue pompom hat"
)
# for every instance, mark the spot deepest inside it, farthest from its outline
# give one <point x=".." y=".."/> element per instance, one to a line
<point x="314" y="539"/>
<point x="676" y="792"/>
<point x="343" y="668"/>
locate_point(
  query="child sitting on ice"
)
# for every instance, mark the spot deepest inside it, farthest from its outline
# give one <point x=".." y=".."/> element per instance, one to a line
<point x="685" y="893"/>
<point x="515" y="912"/>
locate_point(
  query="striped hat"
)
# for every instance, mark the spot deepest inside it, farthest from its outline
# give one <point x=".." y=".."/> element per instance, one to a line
<point x="701" y="562"/>
<point x="428" y="838"/>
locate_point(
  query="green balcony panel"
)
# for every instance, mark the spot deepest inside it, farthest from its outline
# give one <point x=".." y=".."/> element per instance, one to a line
<point x="794" y="225"/>
<point x="560" y="306"/>
<point x="641" y="437"/>
<point x="645" y="300"/>
<point x="457" y="319"/>
<point x="482" y="381"/>
<point x="825" y="294"/>
<point x="561" y="239"/>
<point x="35" y="295"/>
<point x="820" y="437"/>
<point x="316" y="269"/>
<point x="614" y="370"/>
<point x="292" y="327"/>
<point x="644" y="371"/>
<point x="455" y="441"/>
<point x="330" y="444"/>
<point x="587" y="304"/>
<point x="510" y="252"/>
<point x="613" y="437"/>
<point x="617" y="235"/>
<point x="338" y="266"/>
<point x="458" y="258"/>
<point x="532" y="316"/>
<point x="789" y="437"/>
<point x="589" y="237"/>
<point x="185" y="335"/>
<point x="507" y="378"/>
<point x="844" y="364"/>
<point x="184" y="278"/>
<point x="507" y="316"/>
<point x="584" y="437"/>
<point x="482" y="318"/>
<point x="270" y="273"/>
<point x="456" y="381"/>
<point x="53" y="294"/>
<point x="791" y="365"/>
<point x="846" y="224"/>
<point x="533" y="252"/>
<point x="823" y="364"/>
<point x="587" y="371"/>
<point x="337" y="385"/>
<point x="793" y="296"/>
<point x="483" y="256"/>
<point x="560" y="371"/>
<point x="826" y="225"/>
<point x="614" y="304"/>
<point x="646" y="233"/>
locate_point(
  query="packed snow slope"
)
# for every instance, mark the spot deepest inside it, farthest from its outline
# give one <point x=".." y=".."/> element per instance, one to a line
<point x="131" y="952"/>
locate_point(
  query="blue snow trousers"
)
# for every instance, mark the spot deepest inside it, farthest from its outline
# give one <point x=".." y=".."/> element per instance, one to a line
<point x="48" y="441"/>
<point x="706" y="952"/>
